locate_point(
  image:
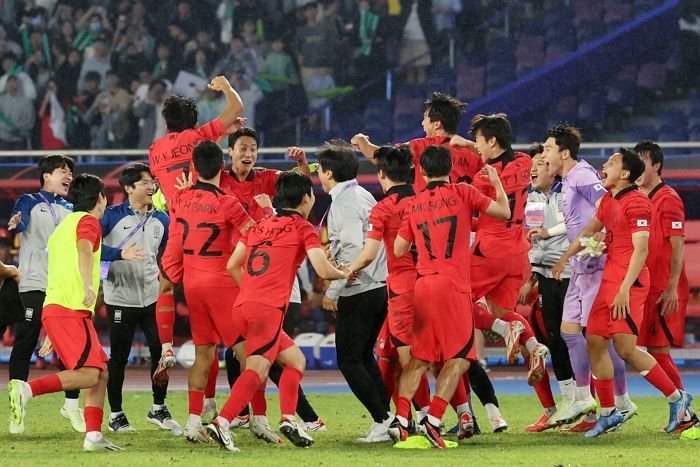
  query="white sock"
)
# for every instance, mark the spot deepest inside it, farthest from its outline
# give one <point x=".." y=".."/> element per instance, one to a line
<point x="402" y="421"/>
<point x="223" y="423"/>
<point x="567" y="388"/>
<point x="433" y="420"/>
<point x="93" y="436"/>
<point x="501" y="327"/>
<point x="156" y="407"/>
<point x="530" y="345"/>
<point x="675" y="397"/>
<point x="623" y="401"/>
<point x="165" y="347"/>
<point x="210" y="402"/>
<point x="114" y="415"/>
<point x="492" y="410"/>
<point x="261" y="419"/>
<point x="463" y="408"/>
<point x="27" y="390"/>
<point x="583" y="392"/>
<point x="424" y="412"/>
<point x="194" y="420"/>
<point x="71" y="404"/>
<point x="605" y="411"/>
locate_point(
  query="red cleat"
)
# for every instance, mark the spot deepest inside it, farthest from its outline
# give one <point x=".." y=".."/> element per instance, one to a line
<point x="581" y="427"/>
<point x="541" y="424"/>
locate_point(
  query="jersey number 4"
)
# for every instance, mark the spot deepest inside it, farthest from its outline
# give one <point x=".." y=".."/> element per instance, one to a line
<point x="204" y="250"/>
<point x="425" y="229"/>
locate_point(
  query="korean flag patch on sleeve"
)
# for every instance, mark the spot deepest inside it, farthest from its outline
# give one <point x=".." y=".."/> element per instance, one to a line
<point x="642" y="223"/>
<point x="676" y="225"/>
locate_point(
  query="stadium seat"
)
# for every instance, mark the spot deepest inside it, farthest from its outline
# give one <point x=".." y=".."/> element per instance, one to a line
<point x="588" y="31"/>
<point x="592" y="107"/>
<point x="641" y="132"/>
<point x="616" y="14"/>
<point x="642" y="6"/>
<point x="442" y="79"/>
<point x="622" y="92"/>
<point x="652" y="76"/>
<point x="470" y="82"/>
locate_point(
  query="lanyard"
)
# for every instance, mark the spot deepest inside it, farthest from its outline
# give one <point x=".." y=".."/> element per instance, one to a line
<point x="352" y="184"/>
<point x="54" y="216"/>
<point x="141" y="223"/>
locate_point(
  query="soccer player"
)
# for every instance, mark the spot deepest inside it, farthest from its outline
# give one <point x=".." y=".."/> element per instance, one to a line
<point x="34" y="218"/>
<point x="131" y="289"/>
<point x="664" y="313"/>
<point x="439" y="223"/>
<point x="618" y="309"/>
<point x="582" y="191"/>
<point x="264" y="264"/>
<point x="441" y="116"/>
<point x="71" y="290"/>
<point x="170" y="157"/>
<point x="205" y="222"/>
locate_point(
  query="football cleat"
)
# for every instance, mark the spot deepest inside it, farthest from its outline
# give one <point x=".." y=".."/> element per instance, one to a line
<point x="571" y="412"/>
<point x="318" y="425"/>
<point x="677" y="411"/>
<point x="511" y="339"/>
<point x="221" y="436"/>
<point x="241" y="421"/>
<point x="627" y="413"/>
<point x="120" y="423"/>
<point x="196" y="434"/>
<point x="378" y="433"/>
<point x="498" y="424"/>
<point x="17" y="392"/>
<point x="261" y="429"/>
<point x="295" y="433"/>
<point x="605" y="424"/>
<point x="397" y="432"/>
<point x="432" y="433"/>
<point x="538" y="361"/>
<point x="162" y="419"/>
<point x="466" y="426"/>
<point x="75" y="417"/>
<point x="102" y="444"/>
<point x="542" y="424"/>
<point x="167" y="361"/>
<point x="581" y="427"/>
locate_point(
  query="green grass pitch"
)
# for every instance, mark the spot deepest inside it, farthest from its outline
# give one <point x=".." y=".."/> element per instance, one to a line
<point x="49" y="441"/>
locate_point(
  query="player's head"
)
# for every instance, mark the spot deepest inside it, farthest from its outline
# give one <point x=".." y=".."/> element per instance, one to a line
<point x="138" y="182"/>
<point x="653" y="158"/>
<point x="441" y="114"/>
<point x="393" y="165"/>
<point x="180" y="113"/>
<point x="56" y="173"/>
<point x="294" y="191"/>
<point x="622" y="169"/>
<point x="540" y="178"/>
<point x="337" y="163"/>
<point x="435" y="162"/>
<point x="87" y="194"/>
<point x="492" y="134"/>
<point x="561" y="148"/>
<point x="208" y="159"/>
<point x="243" y="148"/>
<point x="535" y="150"/>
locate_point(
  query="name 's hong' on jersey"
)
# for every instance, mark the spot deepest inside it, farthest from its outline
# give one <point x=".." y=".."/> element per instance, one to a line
<point x="207" y="221"/>
<point x="275" y="248"/>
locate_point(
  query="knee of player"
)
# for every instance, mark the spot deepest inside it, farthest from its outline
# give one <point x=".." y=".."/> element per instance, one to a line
<point x="623" y="349"/>
<point x="298" y="362"/>
<point x="90" y="376"/>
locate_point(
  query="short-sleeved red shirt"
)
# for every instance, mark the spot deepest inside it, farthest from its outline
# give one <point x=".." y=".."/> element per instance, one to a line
<point x="465" y="162"/>
<point x="257" y="182"/>
<point x="668" y="220"/>
<point x="206" y="221"/>
<point x="385" y="220"/>
<point x="171" y="155"/>
<point x="439" y="223"/>
<point x="89" y="229"/>
<point x="624" y="214"/>
<point x="275" y="248"/>
<point x="497" y="238"/>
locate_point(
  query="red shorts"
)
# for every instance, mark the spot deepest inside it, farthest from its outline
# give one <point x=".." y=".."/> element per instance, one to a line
<point x="261" y="327"/>
<point x="73" y="337"/>
<point x="400" y="318"/>
<point x="443" y="326"/>
<point x="384" y="347"/>
<point x="499" y="279"/>
<point x="662" y="331"/>
<point x="171" y="261"/>
<point x="210" y="314"/>
<point x="600" y="321"/>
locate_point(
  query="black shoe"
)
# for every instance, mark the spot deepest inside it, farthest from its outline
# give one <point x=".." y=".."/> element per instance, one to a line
<point x="397" y="431"/>
<point x="295" y="434"/>
<point x="120" y="423"/>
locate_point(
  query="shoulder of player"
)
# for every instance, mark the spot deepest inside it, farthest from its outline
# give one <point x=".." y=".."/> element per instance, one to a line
<point x="635" y="199"/>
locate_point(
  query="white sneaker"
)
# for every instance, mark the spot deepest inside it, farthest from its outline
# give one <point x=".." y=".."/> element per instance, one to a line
<point x="15" y="428"/>
<point x="261" y="429"/>
<point x="240" y="422"/>
<point x="498" y="424"/>
<point x="196" y="434"/>
<point x="576" y="410"/>
<point x="75" y="417"/>
<point x="378" y="433"/>
<point x="18" y="391"/>
<point x="222" y="436"/>
<point x="163" y="420"/>
<point x="318" y="425"/>
<point x="295" y="433"/>
<point x="103" y="444"/>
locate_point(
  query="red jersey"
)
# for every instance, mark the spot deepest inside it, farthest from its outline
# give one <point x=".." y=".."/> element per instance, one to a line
<point x="275" y="248"/>
<point x="171" y="155"/>
<point x="496" y="238"/>
<point x="667" y="220"/>
<point x="385" y="220"/>
<point x="439" y="223"/>
<point x="624" y="214"/>
<point x="465" y="162"/>
<point x="257" y="182"/>
<point x="207" y="221"/>
<point x="89" y="229"/>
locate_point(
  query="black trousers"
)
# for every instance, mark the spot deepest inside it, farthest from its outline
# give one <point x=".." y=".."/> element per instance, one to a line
<point x="481" y="384"/>
<point x="358" y="322"/>
<point x="123" y="322"/>
<point x="552" y="293"/>
<point x="27" y="336"/>
<point x="233" y="371"/>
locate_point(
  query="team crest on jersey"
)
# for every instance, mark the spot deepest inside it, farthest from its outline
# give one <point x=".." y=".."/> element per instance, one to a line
<point x="642" y="223"/>
<point x="676" y="225"/>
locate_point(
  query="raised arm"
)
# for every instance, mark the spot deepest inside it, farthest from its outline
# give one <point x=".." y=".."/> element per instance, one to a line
<point x="363" y="143"/>
<point x="234" y="104"/>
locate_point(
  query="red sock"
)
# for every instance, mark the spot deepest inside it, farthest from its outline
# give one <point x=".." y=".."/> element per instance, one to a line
<point x="388" y="369"/>
<point x="259" y="403"/>
<point x="241" y="393"/>
<point x="403" y="408"/>
<point x="165" y="317"/>
<point x="196" y="402"/>
<point x="93" y="419"/>
<point x="670" y="368"/>
<point x="422" y="395"/>
<point x="289" y="390"/>
<point x="437" y="407"/>
<point x="483" y="318"/>
<point x="606" y="392"/>
<point x="46" y="385"/>
<point x="543" y="389"/>
<point x="210" y="390"/>
<point x="527" y="333"/>
<point x="460" y="395"/>
<point x="657" y="377"/>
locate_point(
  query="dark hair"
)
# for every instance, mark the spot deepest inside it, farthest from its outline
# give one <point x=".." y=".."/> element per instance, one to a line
<point x="241" y="132"/>
<point x="492" y="126"/>
<point x="290" y="189"/>
<point x="157" y="82"/>
<point x="180" y="113"/>
<point x="341" y="159"/>
<point x="85" y="192"/>
<point x="208" y="159"/>
<point x="567" y="137"/>
<point x="132" y="174"/>
<point x="632" y="163"/>
<point x="48" y="164"/>
<point x="436" y="161"/>
<point x="656" y="155"/>
<point x="395" y="162"/>
<point x="445" y="109"/>
<point x="93" y="76"/>
<point x="535" y="149"/>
